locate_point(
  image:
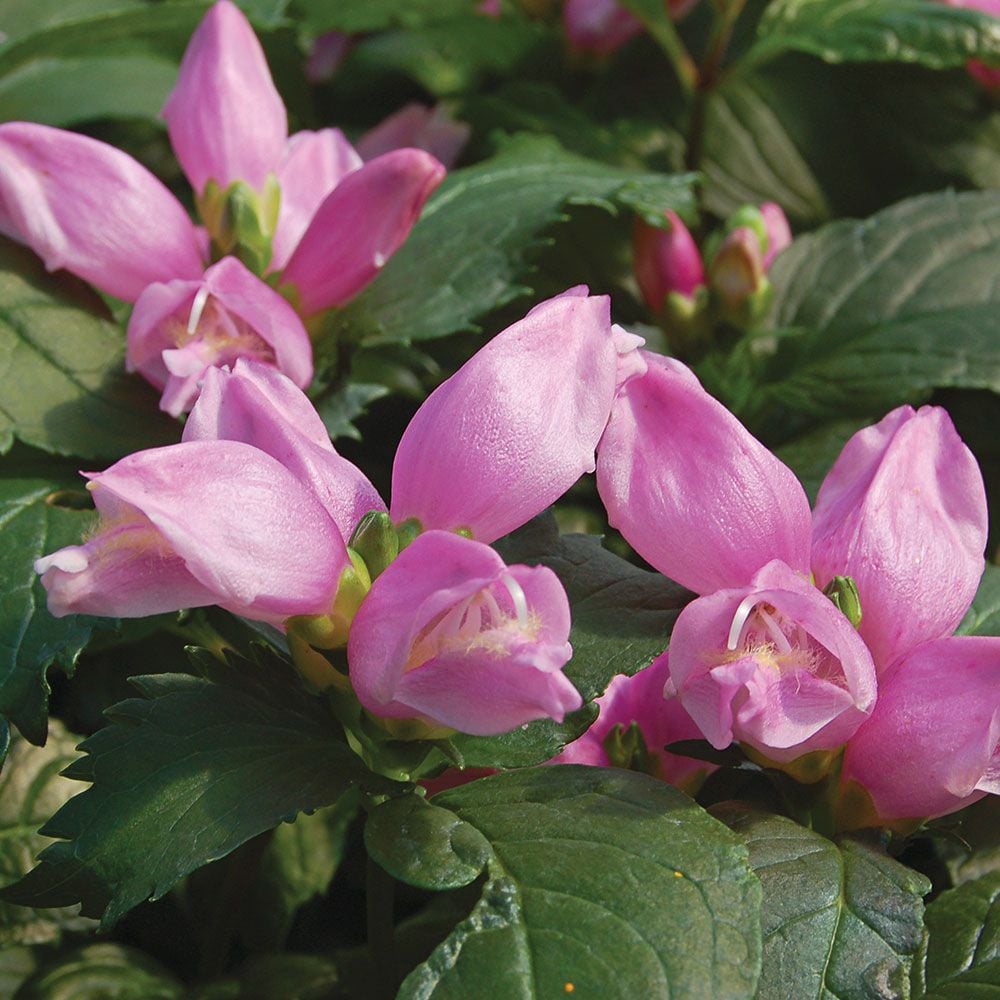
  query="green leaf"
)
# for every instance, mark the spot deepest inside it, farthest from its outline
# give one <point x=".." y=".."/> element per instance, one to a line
<point x="811" y="456"/>
<point x="32" y="788"/>
<point x="183" y="776"/>
<point x="916" y="31"/>
<point x="106" y="970"/>
<point x="606" y="880"/>
<point x="882" y="311"/>
<point x="68" y="91"/>
<point x="839" y="919"/>
<point x="267" y="977"/>
<point x="983" y="618"/>
<point x="17" y="964"/>
<point x="963" y="952"/>
<point x="622" y="617"/>
<point x="298" y="865"/>
<point x="424" y="845"/>
<point x="62" y="379"/>
<point x="356" y="16"/>
<point x="466" y="255"/>
<point x="30" y="638"/>
<point x="22" y="17"/>
<point x="344" y="405"/>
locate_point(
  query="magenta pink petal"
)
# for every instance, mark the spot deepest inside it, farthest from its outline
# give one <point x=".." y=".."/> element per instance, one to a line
<point x="420" y="127"/>
<point x="665" y="261"/>
<point x="359" y="226"/>
<point x="226" y="120"/>
<point x="515" y="427"/>
<point x="691" y="489"/>
<point x="93" y="210"/>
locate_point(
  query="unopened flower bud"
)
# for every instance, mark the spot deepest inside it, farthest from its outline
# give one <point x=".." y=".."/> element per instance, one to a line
<point x="666" y="261"/>
<point x="737" y="270"/>
<point x="330" y="630"/>
<point x="843" y="591"/>
<point x="376" y="541"/>
<point x="241" y="220"/>
<point x="778" y="232"/>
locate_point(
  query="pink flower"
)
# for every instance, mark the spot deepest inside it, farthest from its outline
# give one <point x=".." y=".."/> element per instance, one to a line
<point x="181" y="328"/>
<point x="932" y="745"/>
<point x="602" y="26"/>
<point x="763" y="657"/>
<point x="305" y="207"/>
<point x="452" y="635"/>
<point x="666" y="261"/>
<point x="779" y="233"/>
<point x="640" y="699"/>
<point x="988" y="76"/>
<point x="326" y="55"/>
<point x="206" y="522"/>
<point x="432" y="129"/>
<point x="517" y="425"/>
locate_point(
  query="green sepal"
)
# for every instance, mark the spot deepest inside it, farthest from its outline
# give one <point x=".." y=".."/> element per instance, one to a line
<point x="241" y="220"/>
<point x="843" y="591"/>
<point x="376" y="541"/>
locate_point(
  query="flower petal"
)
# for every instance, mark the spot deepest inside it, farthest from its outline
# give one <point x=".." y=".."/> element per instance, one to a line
<point x="903" y="512"/>
<point x="665" y="260"/>
<point x="226" y="120"/>
<point x="314" y="163"/>
<point x="359" y="226"/>
<point x="90" y="208"/>
<point x="932" y="745"/>
<point x="483" y="452"/>
<point x="692" y="491"/>
<point x="417" y="126"/>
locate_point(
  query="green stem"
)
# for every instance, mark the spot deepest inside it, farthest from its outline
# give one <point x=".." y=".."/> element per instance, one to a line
<point x="665" y="34"/>
<point x="380" y="913"/>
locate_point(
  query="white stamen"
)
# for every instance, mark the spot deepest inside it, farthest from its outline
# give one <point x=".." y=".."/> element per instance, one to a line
<point x="778" y="637"/>
<point x="743" y="612"/>
<point x="379" y="259"/>
<point x="517" y="596"/>
<point x="197" y="308"/>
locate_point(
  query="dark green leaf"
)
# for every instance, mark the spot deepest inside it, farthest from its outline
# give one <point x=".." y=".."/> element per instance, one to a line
<point x="466" y="255"/>
<point x="840" y="920"/>
<point x="301" y="859"/>
<point x="106" y="970"/>
<point x="267" y="977"/>
<point x="183" y="776"/>
<point x="63" y="383"/>
<point x="424" y="845"/>
<point x="32" y="788"/>
<point x="343" y="406"/>
<point x="602" y="882"/>
<point x="983" y="618"/>
<point x="30" y="638"/>
<point x="622" y="617"/>
<point x="921" y="31"/>
<point x="68" y="91"/>
<point x="963" y="953"/>
<point x="880" y="312"/>
<point x="17" y="964"/>
<point x="812" y="455"/>
<point x="356" y="16"/>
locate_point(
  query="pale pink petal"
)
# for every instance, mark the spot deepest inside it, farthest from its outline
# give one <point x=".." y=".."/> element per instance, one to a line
<point x="598" y="26"/>
<point x="359" y="226"/>
<point x="246" y="528"/>
<point x="314" y="163"/>
<point x="327" y="53"/>
<point x="417" y="126"/>
<point x="665" y="261"/>
<point x="257" y="405"/>
<point x="779" y="233"/>
<point x="226" y="120"/>
<point x="692" y="491"/>
<point x="90" y="208"/>
<point x="932" y="745"/>
<point x="903" y="512"/>
<point x="515" y="427"/>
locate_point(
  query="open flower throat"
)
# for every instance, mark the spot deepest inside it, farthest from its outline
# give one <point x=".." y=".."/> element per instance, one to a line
<point x="492" y="620"/>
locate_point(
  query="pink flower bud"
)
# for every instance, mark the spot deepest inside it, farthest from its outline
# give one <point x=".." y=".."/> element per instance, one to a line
<point x="179" y="329"/>
<point x="932" y="745"/>
<point x="665" y="261"/>
<point x="226" y="120"/>
<point x="599" y="26"/>
<point x="779" y="233"/>
<point x="421" y="127"/>
<point x="903" y="512"/>
<point x="93" y="210"/>
<point x="987" y="76"/>
<point x="774" y="666"/>
<point x="737" y="269"/>
<point x="205" y="522"/>
<point x="515" y="427"/>
<point x="661" y="720"/>
<point x="451" y="635"/>
<point x="327" y="53"/>
<point x="706" y="504"/>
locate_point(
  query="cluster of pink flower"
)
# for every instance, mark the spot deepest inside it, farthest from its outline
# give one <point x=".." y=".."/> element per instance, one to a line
<point x="305" y="212"/>
<point x="256" y="512"/>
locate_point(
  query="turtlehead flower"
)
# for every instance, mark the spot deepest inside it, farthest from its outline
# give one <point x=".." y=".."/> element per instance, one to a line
<point x="602" y="26"/>
<point x="420" y="126"/>
<point x="453" y="636"/>
<point x="666" y="261"/>
<point x="305" y="208"/>
<point x="640" y="700"/>
<point x="763" y="657"/>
